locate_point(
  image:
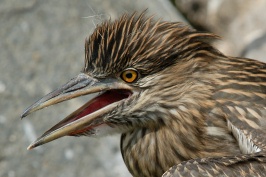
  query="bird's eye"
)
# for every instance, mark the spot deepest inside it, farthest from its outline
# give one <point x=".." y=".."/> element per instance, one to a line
<point x="129" y="75"/>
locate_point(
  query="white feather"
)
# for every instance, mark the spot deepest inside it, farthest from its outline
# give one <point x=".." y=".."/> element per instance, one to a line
<point x="246" y="144"/>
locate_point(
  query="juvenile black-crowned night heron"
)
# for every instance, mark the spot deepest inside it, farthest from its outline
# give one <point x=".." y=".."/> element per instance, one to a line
<point x="177" y="101"/>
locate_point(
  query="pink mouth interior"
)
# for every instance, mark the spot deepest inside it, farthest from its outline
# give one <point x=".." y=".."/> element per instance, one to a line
<point x="97" y="103"/>
<point x="93" y="105"/>
<point x="103" y="100"/>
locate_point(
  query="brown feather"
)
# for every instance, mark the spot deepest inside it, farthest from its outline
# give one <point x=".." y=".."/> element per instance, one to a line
<point x="197" y="103"/>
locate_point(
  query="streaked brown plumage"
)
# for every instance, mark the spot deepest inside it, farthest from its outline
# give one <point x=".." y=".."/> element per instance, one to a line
<point x="190" y="108"/>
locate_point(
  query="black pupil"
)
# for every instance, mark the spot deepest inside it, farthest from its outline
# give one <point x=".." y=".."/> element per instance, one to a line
<point x="129" y="75"/>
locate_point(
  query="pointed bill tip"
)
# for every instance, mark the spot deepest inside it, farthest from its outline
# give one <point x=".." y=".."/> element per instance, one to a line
<point x="30" y="147"/>
<point x="34" y="144"/>
<point x="24" y="114"/>
<point x="29" y="110"/>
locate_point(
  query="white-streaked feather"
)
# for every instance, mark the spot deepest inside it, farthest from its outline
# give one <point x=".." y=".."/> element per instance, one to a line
<point x="246" y="145"/>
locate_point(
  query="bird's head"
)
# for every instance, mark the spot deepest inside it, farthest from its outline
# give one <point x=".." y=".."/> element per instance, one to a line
<point x="138" y="67"/>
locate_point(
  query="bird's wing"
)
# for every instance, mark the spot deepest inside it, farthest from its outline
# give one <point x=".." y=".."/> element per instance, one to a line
<point x="246" y="119"/>
<point x="252" y="165"/>
<point x="241" y="96"/>
<point x="248" y="128"/>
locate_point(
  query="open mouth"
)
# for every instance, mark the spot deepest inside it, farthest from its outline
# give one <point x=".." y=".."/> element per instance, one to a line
<point x="97" y="103"/>
<point x="90" y="115"/>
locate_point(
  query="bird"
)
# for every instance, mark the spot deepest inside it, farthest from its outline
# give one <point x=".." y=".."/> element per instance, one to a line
<point x="182" y="107"/>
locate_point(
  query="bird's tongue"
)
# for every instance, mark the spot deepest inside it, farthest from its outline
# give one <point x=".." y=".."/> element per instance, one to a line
<point x="103" y="100"/>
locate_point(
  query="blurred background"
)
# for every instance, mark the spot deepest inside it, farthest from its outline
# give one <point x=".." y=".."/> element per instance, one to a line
<point x="42" y="47"/>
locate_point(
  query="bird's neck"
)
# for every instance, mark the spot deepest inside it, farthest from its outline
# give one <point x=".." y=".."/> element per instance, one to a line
<point x="189" y="125"/>
<point x="150" y="152"/>
<point x="186" y="128"/>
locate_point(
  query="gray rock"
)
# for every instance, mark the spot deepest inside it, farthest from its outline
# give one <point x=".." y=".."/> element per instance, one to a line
<point x="256" y="49"/>
<point x="239" y="22"/>
<point x="42" y="47"/>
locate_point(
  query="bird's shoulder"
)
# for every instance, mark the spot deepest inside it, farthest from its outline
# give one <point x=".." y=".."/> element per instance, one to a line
<point x="241" y="96"/>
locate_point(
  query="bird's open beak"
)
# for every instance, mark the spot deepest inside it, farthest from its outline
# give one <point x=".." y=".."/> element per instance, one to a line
<point x="83" y="120"/>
